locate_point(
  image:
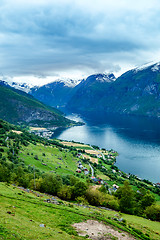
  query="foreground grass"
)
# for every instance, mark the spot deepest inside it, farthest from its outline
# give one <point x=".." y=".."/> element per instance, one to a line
<point x="22" y="213"/>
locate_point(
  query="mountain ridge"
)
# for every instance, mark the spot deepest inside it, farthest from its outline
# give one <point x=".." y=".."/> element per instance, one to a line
<point x="136" y="92"/>
<point x="20" y="108"/>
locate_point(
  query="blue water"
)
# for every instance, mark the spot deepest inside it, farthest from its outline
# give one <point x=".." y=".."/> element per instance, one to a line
<point x="137" y="140"/>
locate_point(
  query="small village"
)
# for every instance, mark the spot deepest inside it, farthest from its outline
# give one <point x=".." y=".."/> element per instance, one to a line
<point x="43" y="132"/>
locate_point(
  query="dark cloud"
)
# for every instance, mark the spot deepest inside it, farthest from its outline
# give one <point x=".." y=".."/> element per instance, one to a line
<point x="54" y="37"/>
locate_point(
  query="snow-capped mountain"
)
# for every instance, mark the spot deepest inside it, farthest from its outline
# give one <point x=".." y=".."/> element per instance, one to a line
<point x="90" y="91"/>
<point x="105" y="77"/>
<point x="154" y="66"/>
<point x="67" y="82"/>
<point x="57" y="93"/>
<point x="20" y="86"/>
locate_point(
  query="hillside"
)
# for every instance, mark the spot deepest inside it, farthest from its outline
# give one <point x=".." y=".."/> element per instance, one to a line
<point x="28" y="215"/>
<point x="36" y="166"/>
<point x="20" y="108"/>
<point x="135" y="92"/>
<point x="89" y="92"/>
<point x="55" y="94"/>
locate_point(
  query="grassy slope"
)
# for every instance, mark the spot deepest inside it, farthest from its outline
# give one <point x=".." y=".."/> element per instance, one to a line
<point x="65" y="162"/>
<point x="30" y="207"/>
<point x="29" y="211"/>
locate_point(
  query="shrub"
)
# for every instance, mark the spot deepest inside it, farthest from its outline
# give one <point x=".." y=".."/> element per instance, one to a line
<point x="82" y="200"/>
<point x="65" y="192"/>
<point x="79" y="189"/>
<point x="153" y="212"/>
<point x="95" y="197"/>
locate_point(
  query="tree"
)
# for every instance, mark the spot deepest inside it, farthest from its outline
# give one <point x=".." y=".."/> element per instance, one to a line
<point x="65" y="192"/>
<point x="147" y="200"/>
<point x="153" y="212"/>
<point x="126" y="198"/>
<point x="79" y="189"/>
<point x="51" y="183"/>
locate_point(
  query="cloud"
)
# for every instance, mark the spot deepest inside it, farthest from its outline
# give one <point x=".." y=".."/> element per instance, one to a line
<point x="48" y="38"/>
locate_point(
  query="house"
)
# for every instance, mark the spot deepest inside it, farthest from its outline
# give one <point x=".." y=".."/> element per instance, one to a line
<point x="80" y="166"/>
<point x="86" y="171"/>
<point x="94" y="179"/>
<point x="100" y="181"/>
<point x="115" y="186"/>
<point x="78" y="171"/>
<point x="158" y="185"/>
<point x="97" y="180"/>
<point x="79" y="155"/>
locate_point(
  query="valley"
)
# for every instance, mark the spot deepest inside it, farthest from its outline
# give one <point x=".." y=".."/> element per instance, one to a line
<point x="77" y="171"/>
<point x="54" y="176"/>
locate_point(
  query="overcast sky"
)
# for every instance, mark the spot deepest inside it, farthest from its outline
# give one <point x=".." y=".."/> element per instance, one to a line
<point x="41" y="40"/>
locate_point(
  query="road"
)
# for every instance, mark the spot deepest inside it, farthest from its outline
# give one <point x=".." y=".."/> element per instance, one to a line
<point x="99" y="153"/>
<point x="92" y="170"/>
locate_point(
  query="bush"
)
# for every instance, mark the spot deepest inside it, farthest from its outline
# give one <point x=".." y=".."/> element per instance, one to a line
<point x="113" y="204"/>
<point x="153" y="212"/>
<point x="82" y="200"/>
<point x="65" y="192"/>
<point x="95" y="197"/>
<point x="79" y="189"/>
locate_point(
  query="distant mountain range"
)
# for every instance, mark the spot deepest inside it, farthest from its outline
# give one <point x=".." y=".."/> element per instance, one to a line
<point x="89" y="92"/>
<point x="55" y="94"/>
<point x="21" y="108"/>
<point x="136" y="92"/>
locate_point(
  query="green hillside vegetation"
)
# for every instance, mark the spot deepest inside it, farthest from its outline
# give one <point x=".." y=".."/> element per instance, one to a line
<point x="49" y="166"/>
<point x="23" y="215"/>
<point x="18" y="107"/>
<point x="28" y="215"/>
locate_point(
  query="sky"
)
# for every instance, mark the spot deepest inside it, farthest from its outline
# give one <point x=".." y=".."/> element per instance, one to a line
<point x="43" y="40"/>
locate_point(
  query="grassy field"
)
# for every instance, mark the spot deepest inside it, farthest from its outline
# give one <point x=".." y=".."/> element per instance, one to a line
<point x="49" y="159"/>
<point x="76" y="145"/>
<point x="23" y="213"/>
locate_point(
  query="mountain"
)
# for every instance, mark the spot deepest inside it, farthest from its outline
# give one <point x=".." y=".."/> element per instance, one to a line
<point x="55" y="94"/>
<point x="135" y="92"/>
<point x="89" y="92"/>
<point x="21" y="108"/>
<point x="25" y="87"/>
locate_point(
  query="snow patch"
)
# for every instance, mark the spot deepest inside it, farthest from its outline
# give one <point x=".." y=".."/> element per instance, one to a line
<point x="105" y="77"/>
<point x="69" y="82"/>
<point x="155" y="67"/>
<point x="20" y="86"/>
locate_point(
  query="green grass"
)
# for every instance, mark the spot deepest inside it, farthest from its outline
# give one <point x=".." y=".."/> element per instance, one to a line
<point x="29" y="211"/>
<point x="64" y="161"/>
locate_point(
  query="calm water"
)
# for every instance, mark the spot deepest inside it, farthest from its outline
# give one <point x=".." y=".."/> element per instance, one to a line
<point x="136" y="139"/>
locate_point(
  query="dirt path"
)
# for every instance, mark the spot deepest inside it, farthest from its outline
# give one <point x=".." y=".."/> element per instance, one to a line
<point x="99" y="231"/>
